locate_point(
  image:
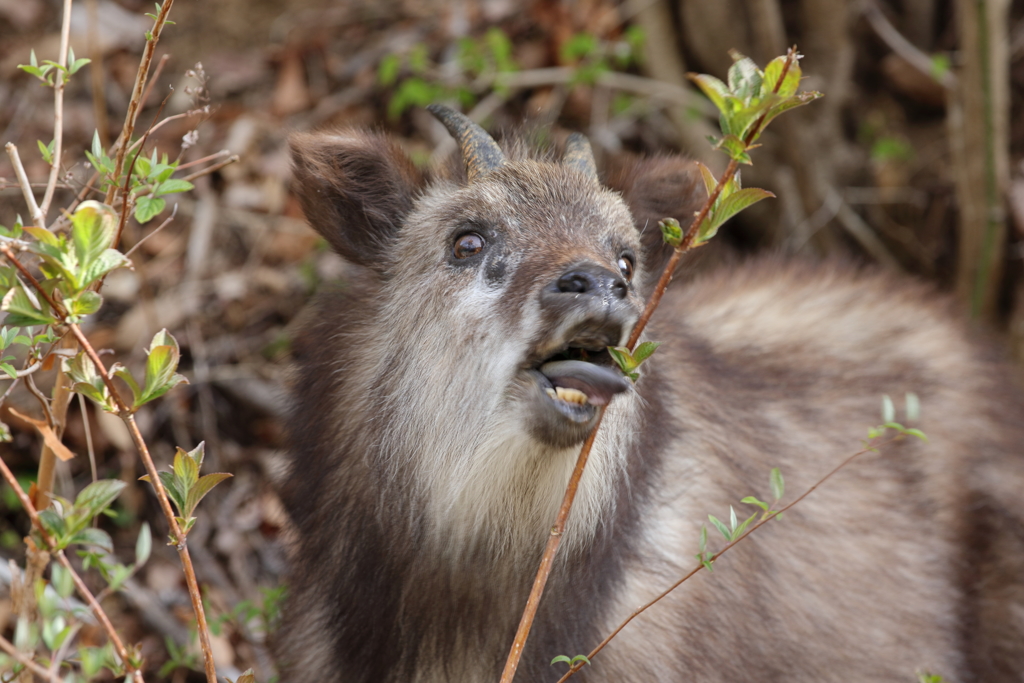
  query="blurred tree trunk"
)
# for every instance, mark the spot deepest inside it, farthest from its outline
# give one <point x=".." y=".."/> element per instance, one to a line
<point x="979" y="136"/>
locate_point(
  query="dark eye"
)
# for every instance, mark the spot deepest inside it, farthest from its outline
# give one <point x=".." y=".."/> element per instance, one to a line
<point x="468" y="245"/>
<point x="625" y="264"/>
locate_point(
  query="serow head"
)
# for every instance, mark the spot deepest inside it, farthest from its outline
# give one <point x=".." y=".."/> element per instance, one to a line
<point x="501" y="293"/>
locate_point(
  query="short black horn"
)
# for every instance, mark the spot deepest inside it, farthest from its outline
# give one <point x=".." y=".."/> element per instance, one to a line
<point x="578" y="155"/>
<point x="479" y="150"/>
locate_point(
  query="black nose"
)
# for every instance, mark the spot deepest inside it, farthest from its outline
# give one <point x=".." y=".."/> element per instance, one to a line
<point x="589" y="278"/>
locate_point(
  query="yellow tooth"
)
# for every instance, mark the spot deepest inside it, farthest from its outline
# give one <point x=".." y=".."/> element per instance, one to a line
<point x="571" y="395"/>
<point x="551" y="392"/>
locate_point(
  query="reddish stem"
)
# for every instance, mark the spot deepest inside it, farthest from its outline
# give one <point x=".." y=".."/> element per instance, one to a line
<point x="555" y="538"/>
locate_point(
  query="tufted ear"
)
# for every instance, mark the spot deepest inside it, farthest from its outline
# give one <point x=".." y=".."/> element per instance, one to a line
<point x="356" y="188"/>
<point x="655" y="188"/>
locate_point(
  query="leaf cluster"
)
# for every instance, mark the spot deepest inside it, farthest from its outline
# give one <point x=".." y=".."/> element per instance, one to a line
<point x="751" y="99"/>
<point x="735" y="528"/>
<point x="185" y="487"/>
<point x="47" y="70"/>
<point x="732" y="199"/>
<point x="69" y="523"/>
<point x="629" y="361"/>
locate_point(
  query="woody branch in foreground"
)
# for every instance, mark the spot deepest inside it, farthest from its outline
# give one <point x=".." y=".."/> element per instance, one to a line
<point x="73" y="265"/>
<point x="93" y="230"/>
<point x="747" y="103"/>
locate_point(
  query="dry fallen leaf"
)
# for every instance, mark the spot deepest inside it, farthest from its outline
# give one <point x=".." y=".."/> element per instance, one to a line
<point x="49" y="436"/>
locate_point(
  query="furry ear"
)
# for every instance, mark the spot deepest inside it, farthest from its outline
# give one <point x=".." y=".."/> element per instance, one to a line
<point x="356" y="188"/>
<point x="655" y="188"/>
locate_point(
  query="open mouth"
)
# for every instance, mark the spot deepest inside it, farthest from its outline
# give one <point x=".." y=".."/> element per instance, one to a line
<point x="578" y="379"/>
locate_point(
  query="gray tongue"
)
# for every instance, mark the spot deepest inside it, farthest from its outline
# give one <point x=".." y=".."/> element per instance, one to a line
<point x="598" y="382"/>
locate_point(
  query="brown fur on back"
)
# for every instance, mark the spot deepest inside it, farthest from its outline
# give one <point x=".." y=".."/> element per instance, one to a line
<point x="421" y="506"/>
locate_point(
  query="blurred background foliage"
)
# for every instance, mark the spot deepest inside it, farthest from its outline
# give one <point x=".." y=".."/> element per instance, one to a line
<point x="912" y="161"/>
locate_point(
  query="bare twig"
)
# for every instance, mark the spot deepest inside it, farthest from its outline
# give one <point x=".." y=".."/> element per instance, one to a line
<point x="174" y="212"/>
<point x="58" y="112"/>
<point x="26" y="186"/>
<point x="555" y="537"/>
<point x="152" y="81"/>
<point x="904" y="48"/>
<point x="764" y="520"/>
<point x="88" y="436"/>
<point x="27" y="662"/>
<point x="210" y="169"/>
<point x="43" y="401"/>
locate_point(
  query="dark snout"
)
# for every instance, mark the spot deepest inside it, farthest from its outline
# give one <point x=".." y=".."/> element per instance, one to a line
<point x="591" y="305"/>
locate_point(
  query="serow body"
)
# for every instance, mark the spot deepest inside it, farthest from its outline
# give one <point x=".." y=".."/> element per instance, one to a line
<point x="445" y="387"/>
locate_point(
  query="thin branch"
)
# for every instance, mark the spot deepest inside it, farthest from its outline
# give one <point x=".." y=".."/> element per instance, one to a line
<point x="211" y="157"/>
<point x="764" y="520"/>
<point x="904" y="48"/>
<point x="210" y="169"/>
<point x="555" y="537"/>
<point x="152" y="81"/>
<point x="58" y="112"/>
<point x="43" y="401"/>
<point x="26" y="186"/>
<point x="133" y="106"/>
<point x="88" y="436"/>
<point x="45" y="674"/>
<point x="174" y="212"/>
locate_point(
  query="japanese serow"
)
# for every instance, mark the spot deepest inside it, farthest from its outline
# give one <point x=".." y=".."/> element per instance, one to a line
<point x="445" y="387"/>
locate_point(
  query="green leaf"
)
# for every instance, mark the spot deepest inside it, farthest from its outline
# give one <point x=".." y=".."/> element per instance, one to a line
<point x="773" y="72"/>
<point x="43" y="235"/>
<point x="9" y="370"/>
<point x="715" y="90"/>
<point x="561" y="658"/>
<point x="170" y="484"/>
<point x="738" y="531"/>
<point x="109" y="260"/>
<point x="624" y="359"/>
<point x="202" y="487"/>
<point x="147" y="208"/>
<point x="143" y="545"/>
<point x="671" y="232"/>
<point x="703" y="538"/>
<point x="732" y="519"/>
<point x="729" y="207"/>
<point x="744" y="77"/>
<point x="888" y="409"/>
<point x="735" y="148"/>
<point x="93" y="227"/>
<point x="160" y="368"/>
<point x="722" y="528"/>
<point x="25" y="309"/>
<point x="186" y="472"/>
<point x="753" y="500"/>
<point x="93" y="537"/>
<point x="917" y="433"/>
<point x="645" y="351"/>
<point x="173" y="185"/>
<point x="387" y="70"/>
<point x="778" y="484"/>
<point x="52" y="522"/>
<point x="61" y="580"/>
<point x="84" y="303"/>
<point x="793" y="102"/>
<point x="198" y="454"/>
<point x="710" y="181"/>
<point x="98" y="495"/>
